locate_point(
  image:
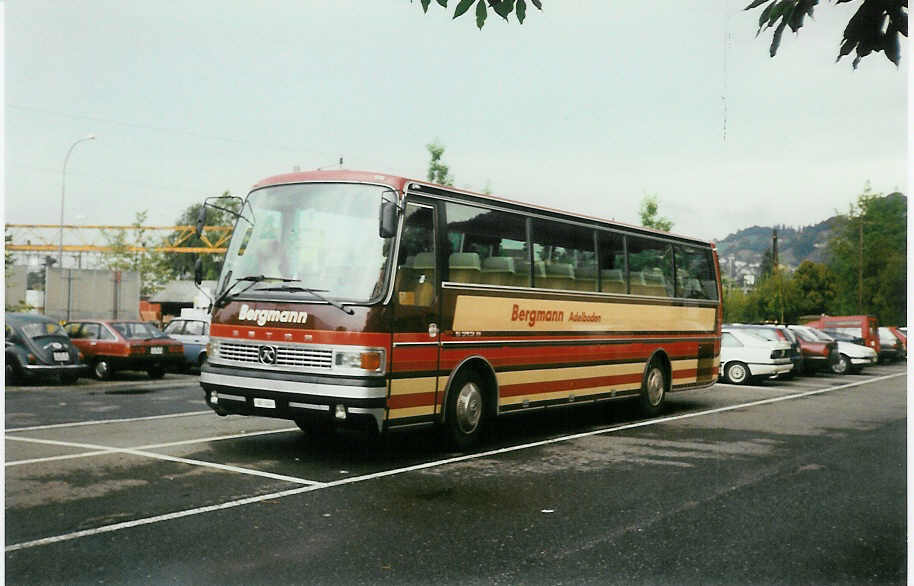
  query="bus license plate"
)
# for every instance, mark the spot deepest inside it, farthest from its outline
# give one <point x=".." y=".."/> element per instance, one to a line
<point x="61" y="356"/>
<point x="264" y="403"/>
<point x="155" y="350"/>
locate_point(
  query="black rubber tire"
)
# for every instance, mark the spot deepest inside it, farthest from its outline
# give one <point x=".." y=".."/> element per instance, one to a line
<point x="101" y="369"/>
<point x="738" y="373"/>
<point x="68" y="379"/>
<point x="156" y="372"/>
<point x="842" y="365"/>
<point x="201" y="359"/>
<point x="654" y="387"/>
<point x="465" y="411"/>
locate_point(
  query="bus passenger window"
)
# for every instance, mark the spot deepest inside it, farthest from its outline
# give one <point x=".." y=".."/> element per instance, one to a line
<point x="416" y="265"/>
<point x="612" y="263"/>
<point x="694" y="273"/>
<point x="487" y="247"/>
<point x="650" y="265"/>
<point x="567" y="255"/>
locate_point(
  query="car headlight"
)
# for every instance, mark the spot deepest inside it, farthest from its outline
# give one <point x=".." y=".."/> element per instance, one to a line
<point x="367" y="360"/>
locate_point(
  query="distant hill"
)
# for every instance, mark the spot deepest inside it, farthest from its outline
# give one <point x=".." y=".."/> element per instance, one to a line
<point x="794" y="244"/>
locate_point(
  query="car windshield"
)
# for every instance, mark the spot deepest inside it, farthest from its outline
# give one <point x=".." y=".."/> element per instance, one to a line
<point x="759" y="335"/>
<point x="43" y="328"/>
<point x="820" y="335"/>
<point x="804" y="335"/>
<point x="323" y="236"/>
<point x="764" y="333"/>
<point x="885" y="334"/>
<point x="173" y="327"/>
<point x="136" y="330"/>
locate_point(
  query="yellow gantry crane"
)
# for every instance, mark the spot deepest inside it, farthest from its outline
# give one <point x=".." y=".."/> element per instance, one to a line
<point x="44" y="238"/>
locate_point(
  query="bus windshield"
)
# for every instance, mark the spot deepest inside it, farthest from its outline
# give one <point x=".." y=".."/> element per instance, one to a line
<point x="322" y="236"/>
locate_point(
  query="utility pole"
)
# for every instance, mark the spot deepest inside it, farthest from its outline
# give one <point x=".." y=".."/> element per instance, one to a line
<point x="860" y="268"/>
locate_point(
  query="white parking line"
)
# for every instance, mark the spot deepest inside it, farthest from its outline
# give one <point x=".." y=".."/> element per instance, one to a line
<point x="427" y="465"/>
<point x="103" y="421"/>
<point x="146" y="447"/>
<point x="170" y="459"/>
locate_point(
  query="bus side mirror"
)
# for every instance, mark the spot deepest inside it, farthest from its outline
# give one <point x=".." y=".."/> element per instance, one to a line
<point x="201" y="221"/>
<point x="198" y="271"/>
<point x="387" y="223"/>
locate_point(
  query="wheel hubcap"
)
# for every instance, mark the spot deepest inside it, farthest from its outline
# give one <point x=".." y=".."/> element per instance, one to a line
<point x="737" y="373"/>
<point x="101" y="369"/>
<point x="469" y="408"/>
<point x="840" y="366"/>
<point x="655" y="386"/>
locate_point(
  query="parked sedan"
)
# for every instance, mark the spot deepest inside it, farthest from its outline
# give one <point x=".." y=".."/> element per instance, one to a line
<point x="111" y="345"/>
<point x="890" y="346"/>
<point x="778" y="333"/>
<point x="817" y="354"/>
<point x="37" y="346"/>
<point x="853" y="355"/>
<point x="194" y="334"/>
<point x="745" y="355"/>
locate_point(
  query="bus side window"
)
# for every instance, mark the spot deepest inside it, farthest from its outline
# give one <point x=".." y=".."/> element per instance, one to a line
<point x="416" y="264"/>
<point x="487" y="246"/>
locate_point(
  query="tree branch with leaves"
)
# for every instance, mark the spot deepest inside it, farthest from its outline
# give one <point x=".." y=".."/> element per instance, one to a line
<point x="503" y="8"/>
<point x="875" y="26"/>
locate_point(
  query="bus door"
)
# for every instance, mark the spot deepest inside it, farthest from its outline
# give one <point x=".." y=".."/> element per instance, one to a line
<point x="414" y="386"/>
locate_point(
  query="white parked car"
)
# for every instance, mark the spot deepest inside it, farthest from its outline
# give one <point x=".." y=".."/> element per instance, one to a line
<point x="852" y="357"/>
<point x="744" y="355"/>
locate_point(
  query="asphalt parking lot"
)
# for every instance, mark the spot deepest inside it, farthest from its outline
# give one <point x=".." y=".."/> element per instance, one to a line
<point x="799" y="481"/>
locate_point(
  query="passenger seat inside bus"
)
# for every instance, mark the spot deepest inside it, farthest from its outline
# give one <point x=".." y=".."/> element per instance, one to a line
<point x="464" y="267"/>
<point x="424" y="267"/>
<point x="498" y="270"/>
<point x="559" y="275"/>
<point x="612" y="281"/>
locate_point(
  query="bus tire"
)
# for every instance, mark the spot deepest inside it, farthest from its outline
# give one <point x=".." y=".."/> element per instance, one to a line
<point x="738" y="373"/>
<point x="654" y="387"/>
<point x="465" y="411"/>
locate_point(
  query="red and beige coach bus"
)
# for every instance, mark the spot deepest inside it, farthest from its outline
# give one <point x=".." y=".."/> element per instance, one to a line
<point x="360" y="298"/>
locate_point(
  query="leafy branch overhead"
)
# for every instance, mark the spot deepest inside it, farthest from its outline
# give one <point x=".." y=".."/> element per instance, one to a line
<point x="873" y="28"/>
<point x="502" y="8"/>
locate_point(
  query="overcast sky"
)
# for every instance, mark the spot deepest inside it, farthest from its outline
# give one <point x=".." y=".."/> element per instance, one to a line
<point x="587" y="106"/>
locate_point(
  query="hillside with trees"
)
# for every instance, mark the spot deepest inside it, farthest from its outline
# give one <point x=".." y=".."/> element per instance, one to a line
<point x="854" y="263"/>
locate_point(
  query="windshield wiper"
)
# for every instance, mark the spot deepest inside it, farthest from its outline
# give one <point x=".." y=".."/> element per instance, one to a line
<point x="252" y="279"/>
<point x="315" y="292"/>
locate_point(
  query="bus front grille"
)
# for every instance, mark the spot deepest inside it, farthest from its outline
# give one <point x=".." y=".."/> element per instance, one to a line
<point x="300" y="357"/>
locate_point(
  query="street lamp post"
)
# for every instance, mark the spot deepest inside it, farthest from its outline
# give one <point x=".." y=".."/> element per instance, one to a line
<point x="63" y="188"/>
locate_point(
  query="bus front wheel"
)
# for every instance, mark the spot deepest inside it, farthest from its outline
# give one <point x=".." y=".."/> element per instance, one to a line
<point x="465" y="411"/>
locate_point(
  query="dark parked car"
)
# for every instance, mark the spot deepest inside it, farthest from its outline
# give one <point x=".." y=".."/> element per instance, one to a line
<point x="890" y="346"/>
<point x="111" y="345"/>
<point x="36" y="346"/>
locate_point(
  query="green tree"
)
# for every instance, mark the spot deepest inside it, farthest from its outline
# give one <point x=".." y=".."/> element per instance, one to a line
<point x="871" y="241"/>
<point x="815" y="285"/>
<point x="650" y="207"/>
<point x="8" y="259"/>
<point x="502" y="8"/>
<point x="126" y="256"/>
<point x="438" y="172"/>
<point x="874" y="27"/>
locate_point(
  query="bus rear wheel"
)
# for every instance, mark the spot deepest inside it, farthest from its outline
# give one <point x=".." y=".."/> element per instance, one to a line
<point x="653" y="388"/>
<point x="465" y="411"/>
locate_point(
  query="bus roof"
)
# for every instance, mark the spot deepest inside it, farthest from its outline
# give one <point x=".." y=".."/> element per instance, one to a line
<point x="400" y="183"/>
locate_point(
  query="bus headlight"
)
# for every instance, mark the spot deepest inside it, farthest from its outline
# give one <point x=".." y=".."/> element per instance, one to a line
<point x="367" y="360"/>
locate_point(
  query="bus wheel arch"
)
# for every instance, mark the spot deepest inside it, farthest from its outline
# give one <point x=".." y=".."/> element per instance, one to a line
<point x="656" y="382"/>
<point x="470" y="398"/>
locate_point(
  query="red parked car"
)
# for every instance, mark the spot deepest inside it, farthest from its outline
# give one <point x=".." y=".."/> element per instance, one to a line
<point x="110" y="345"/>
<point x="817" y="354"/>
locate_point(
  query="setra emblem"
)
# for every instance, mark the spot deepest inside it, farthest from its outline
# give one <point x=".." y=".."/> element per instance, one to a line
<point x="267" y="354"/>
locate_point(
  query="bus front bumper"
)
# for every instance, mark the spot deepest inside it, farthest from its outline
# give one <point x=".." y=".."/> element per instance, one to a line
<point x="355" y="402"/>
